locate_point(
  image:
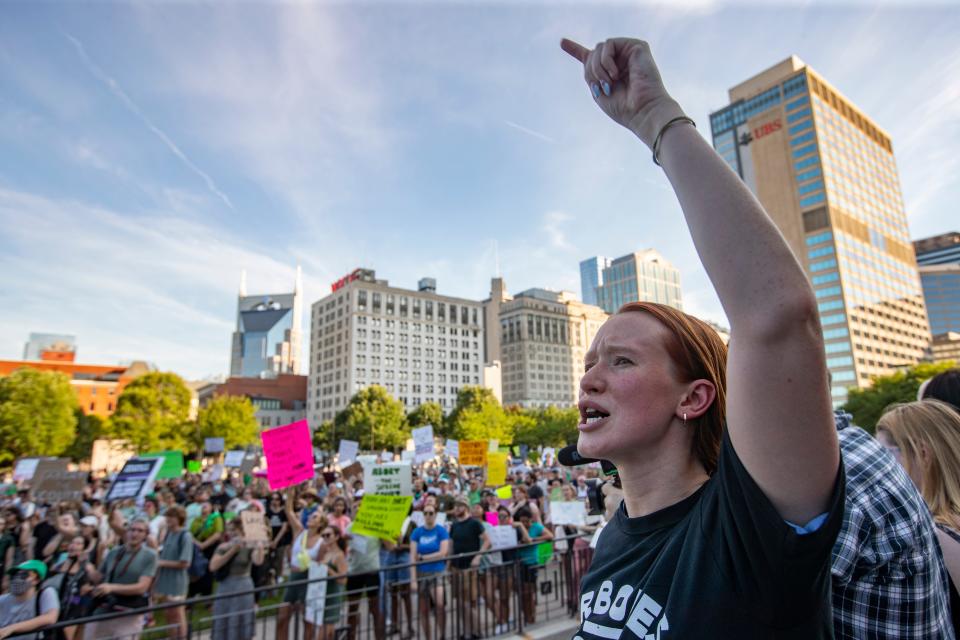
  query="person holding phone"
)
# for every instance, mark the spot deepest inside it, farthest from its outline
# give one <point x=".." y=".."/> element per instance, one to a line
<point x="730" y="467"/>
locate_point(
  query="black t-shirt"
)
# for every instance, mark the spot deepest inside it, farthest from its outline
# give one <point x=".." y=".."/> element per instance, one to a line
<point x="43" y="534"/>
<point x="534" y="491"/>
<point x="719" y="564"/>
<point x="466" y="536"/>
<point x="276" y="519"/>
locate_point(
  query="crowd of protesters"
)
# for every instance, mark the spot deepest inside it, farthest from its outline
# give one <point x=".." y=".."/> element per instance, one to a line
<point x="896" y="562"/>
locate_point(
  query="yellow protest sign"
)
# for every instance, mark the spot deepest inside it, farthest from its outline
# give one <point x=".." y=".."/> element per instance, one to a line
<point x="505" y="493"/>
<point x="473" y="452"/>
<point x="381" y="516"/>
<point x="496" y="469"/>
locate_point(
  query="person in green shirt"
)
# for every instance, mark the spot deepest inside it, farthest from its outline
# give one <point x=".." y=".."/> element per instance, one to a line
<point x="207" y="530"/>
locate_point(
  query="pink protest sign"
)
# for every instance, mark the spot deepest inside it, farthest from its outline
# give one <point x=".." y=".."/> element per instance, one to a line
<point x="491" y="517"/>
<point x="289" y="454"/>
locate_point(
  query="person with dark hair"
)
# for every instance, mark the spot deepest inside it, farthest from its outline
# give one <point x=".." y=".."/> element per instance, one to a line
<point x="234" y="615"/>
<point x="333" y="554"/>
<point x="73" y="585"/>
<point x="945" y="387"/>
<point x="529" y="531"/>
<point x="730" y="467"/>
<point x="173" y="581"/>
<point x="27" y="607"/>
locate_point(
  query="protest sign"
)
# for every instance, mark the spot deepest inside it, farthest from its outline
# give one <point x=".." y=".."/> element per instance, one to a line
<point x="473" y="453"/>
<point x="316" y="594"/>
<point x="503" y="536"/>
<point x="25" y="469"/>
<point x="492" y="518"/>
<point x="289" y="454"/>
<point x="234" y="459"/>
<point x="419" y="519"/>
<point x="254" y="526"/>
<point x="172" y="463"/>
<point x="351" y="470"/>
<point x="214" y="473"/>
<point x="572" y="512"/>
<point x="213" y="445"/>
<point x="407" y="456"/>
<point x="496" y="468"/>
<point x="108" y="456"/>
<point x="494" y="445"/>
<point x="194" y="466"/>
<point x="548" y="455"/>
<point x="367" y="459"/>
<point x="250" y="462"/>
<point x="505" y="493"/>
<point x="381" y="516"/>
<point x="135" y="479"/>
<point x="56" y="486"/>
<point x="452" y="449"/>
<point x="391" y="479"/>
<point x="46" y="467"/>
<point x="423" y="443"/>
<point x="524" y="452"/>
<point x="347" y="452"/>
<point x="386" y="456"/>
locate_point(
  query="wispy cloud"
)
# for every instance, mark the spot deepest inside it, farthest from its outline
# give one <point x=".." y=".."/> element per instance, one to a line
<point x="530" y="132"/>
<point x="117" y="91"/>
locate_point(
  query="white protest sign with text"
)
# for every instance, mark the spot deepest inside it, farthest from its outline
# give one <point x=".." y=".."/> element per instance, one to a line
<point x="423" y="443"/>
<point x="391" y="479"/>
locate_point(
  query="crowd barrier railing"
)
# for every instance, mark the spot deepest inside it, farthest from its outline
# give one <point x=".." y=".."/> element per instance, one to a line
<point x="477" y="602"/>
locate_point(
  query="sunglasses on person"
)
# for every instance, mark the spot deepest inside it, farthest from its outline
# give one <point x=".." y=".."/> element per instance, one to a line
<point x="429" y="513"/>
<point x="326" y="536"/>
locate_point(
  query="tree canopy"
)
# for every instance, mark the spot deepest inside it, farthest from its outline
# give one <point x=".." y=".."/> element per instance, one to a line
<point x="550" y="426"/>
<point x="153" y="412"/>
<point x="37" y="414"/>
<point x="479" y="416"/>
<point x="232" y="418"/>
<point x="373" y="418"/>
<point x="867" y="405"/>
<point x="428" y="413"/>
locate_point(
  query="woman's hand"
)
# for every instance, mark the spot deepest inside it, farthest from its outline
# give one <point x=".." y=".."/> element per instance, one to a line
<point x="626" y="84"/>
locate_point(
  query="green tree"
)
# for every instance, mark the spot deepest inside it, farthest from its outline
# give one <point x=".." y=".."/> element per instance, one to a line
<point x="322" y="436"/>
<point x="428" y="413"/>
<point x="232" y="418"/>
<point x="37" y="414"/>
<point x="373" y="418"/>
<point x="867" y="405"/>
<point x="152" y="413"/>
<point x="89" y="428"/>
<point x="550" y="426"/>
<point x="479" y="416"/>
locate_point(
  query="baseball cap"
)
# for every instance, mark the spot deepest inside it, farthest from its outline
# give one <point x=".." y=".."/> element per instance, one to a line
<point x="462" y="499"/>
<point x="37" y="566"/>
<point x="89" y="521"/>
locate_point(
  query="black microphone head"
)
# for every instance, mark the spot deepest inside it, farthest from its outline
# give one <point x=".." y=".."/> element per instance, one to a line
<point x="570" y="457"/>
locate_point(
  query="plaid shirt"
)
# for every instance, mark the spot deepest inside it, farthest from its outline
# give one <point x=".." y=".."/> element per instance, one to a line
<point x="889" y="579"/>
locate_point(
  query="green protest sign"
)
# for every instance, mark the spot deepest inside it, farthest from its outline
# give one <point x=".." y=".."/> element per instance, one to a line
<point x="172" y="463"/>
<point x="194" y="466"/>
<point x="381" y="516"/>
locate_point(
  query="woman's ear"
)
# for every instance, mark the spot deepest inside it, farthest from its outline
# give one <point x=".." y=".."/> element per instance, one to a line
<point x="696" y="400"/>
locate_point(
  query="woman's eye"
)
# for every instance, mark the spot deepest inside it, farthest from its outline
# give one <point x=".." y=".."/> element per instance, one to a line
<point x="621" y="360"/>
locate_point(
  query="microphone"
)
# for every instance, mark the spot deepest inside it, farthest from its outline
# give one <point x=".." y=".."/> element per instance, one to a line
<point x="570" y="457"/>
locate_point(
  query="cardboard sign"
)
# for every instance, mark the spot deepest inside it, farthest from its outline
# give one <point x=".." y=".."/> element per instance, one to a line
<point x="496" y="469"/>
<point x="254" y="526"/>
<point x="351" y="470"/>
<point x="194" y="466"/>
<point x="213" y="445"/>
<point x="234" y="459"/>
<point x="58" y="486"/>
<point x="289" y="454"/>
<point x="392" y="479"/>
<point x="381" y="516"/>
<point x="423" y="443"/>
<point x="316" y="594"/>
<point x="473" y="453"/>
<point x="452" y="449"/>
<point x="25" y="469"/>
<point x="503" y="536"/>
<point x="572" y="512"/>
<point x="347" y="452"/>
<point x="47" y="467"/>
<point x="172" y="463"/>
<point x="135" y="479"/>
<point x="109" y="456"/>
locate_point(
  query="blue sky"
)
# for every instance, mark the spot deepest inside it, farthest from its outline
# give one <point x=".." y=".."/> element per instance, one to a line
<point x="150" y="151"/>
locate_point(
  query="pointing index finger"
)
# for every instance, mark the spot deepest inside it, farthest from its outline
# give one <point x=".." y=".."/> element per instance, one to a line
<point x="576" y="50"/>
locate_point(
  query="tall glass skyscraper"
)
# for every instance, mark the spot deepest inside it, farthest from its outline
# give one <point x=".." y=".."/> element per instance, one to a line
<point x="939" y="260"/>
<point x="641" y="276"/>
<point x="826" y="174"/>
<point x="267" y="340"/>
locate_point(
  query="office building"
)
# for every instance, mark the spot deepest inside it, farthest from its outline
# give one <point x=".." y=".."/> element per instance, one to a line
<point x="642" y="276"/>
<point x="50" y="347"/>
<point x="491" y="319"/>
<point x="97" y="386"/>
<point x="279" y="400"/>
<point x="945" y="347"/>
<point x="939" y="260"/>
<point x="826" y="174"/>
<point x="544" y="336"/>
<point x="591" y="277"/>
<point x="267" y="339"/>
<point x="419" y="345"/>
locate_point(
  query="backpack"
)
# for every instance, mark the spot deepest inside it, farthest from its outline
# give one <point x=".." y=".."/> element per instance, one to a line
<point x="45" y="634"/>
<point x="198" y="563"/>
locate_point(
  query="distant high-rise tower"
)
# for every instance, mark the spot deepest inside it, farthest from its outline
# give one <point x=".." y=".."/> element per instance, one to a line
<point x="591" y="277"/>
<point x="826" y="175"/>
<point x="51" y="347"/>
<point x="267" y="340"/>
<point x="939" y="260"/>
<point x="641" y="276"/>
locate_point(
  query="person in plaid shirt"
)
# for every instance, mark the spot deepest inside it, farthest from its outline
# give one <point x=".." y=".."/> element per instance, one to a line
<point x="889" y="579"/>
